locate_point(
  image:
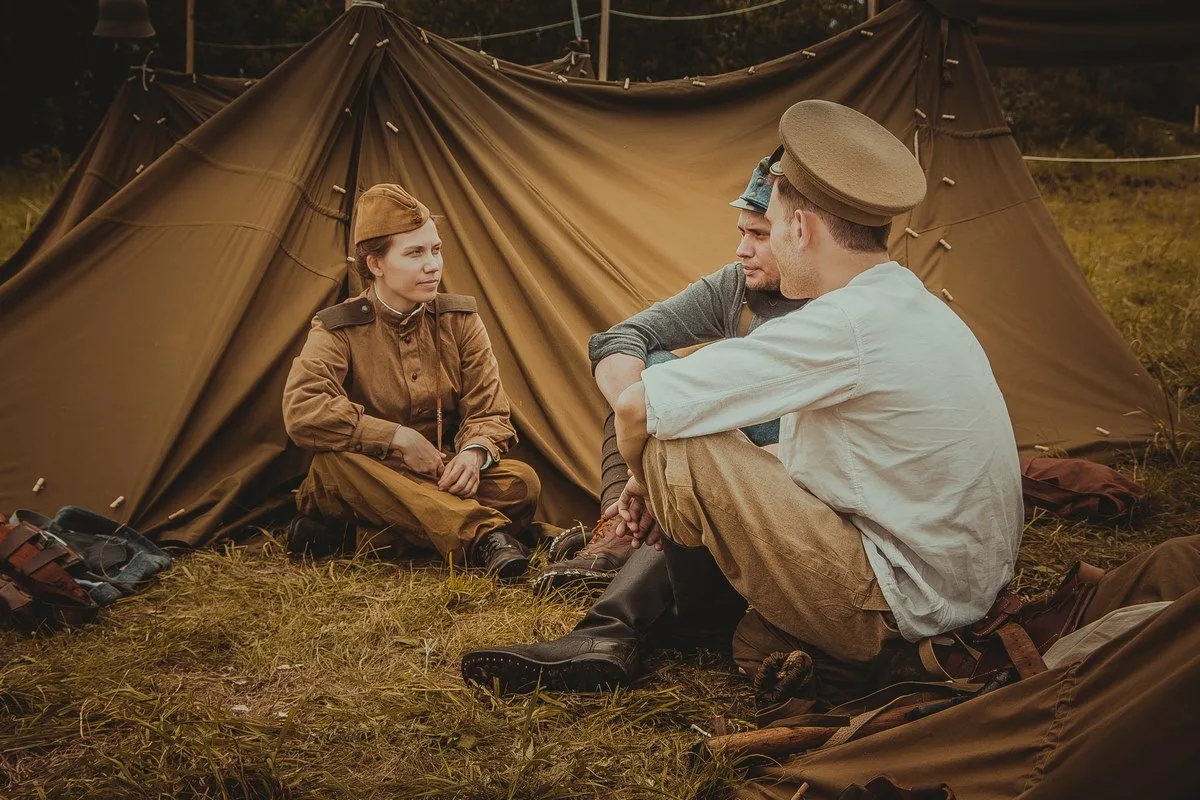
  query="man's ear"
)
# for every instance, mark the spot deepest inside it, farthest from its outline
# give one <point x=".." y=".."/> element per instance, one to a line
<point x="806" y="227"/>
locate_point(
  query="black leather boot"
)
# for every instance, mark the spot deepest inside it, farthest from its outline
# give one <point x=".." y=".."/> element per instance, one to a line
<point x="319" y="538"/>
<point x="603" y="650"/>
<point x="499" y="554"/>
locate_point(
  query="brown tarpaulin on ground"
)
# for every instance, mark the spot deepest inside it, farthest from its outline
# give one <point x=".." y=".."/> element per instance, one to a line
<point x="130" y="136"/>
<point x="1121" y="723"/>
<point x="148" y="347"/>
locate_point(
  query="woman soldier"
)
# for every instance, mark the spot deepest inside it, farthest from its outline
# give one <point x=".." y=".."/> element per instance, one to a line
<point x="398" y="394"/>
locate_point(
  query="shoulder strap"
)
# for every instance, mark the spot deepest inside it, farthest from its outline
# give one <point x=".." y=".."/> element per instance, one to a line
<point x="358" y="311"/>
<point x="457" y="302"/>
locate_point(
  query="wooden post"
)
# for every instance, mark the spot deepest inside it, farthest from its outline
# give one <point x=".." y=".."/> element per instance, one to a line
<point x="605" y="17"/>
<point x="190" y="51"/>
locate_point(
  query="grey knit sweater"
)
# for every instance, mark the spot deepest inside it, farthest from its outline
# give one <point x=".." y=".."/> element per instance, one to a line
<point x="705" y="311"/>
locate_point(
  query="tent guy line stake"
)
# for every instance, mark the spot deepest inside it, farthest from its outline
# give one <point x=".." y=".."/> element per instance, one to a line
<point x="136" y="118"/>
<point x="945" y="244"/>
<point x="381" y="42"/>
<point x="949" y="117"/>
<point x="391" y="127"/>
<point x="947" y="180"/>
<point x="627" y="83"/>
<point x="752" y="70"/>
<point x="562" y="78"/>
<point x="946" y="294"/>
<point x="1042" y="448"/>
<point x="338" y="189"/>
<point x="117" y="503"/>
<point x="867" y="33"/>
<point x="495" y="65"/>
<point x="139" y="169"/>
<point x="921" y="113"/>
<point x="1103" y="431"/>
<point x="911" y="232"/>
<point x="37" y="487"/>
<point x="698" y="82"/>
<point x="160" y="120"/>
<point x="176" y="514"/>
<point x="951" y="62"/>
<point x="424" y="35"/>
<point x="353" y="39"/>
<point x="808" y="54"/>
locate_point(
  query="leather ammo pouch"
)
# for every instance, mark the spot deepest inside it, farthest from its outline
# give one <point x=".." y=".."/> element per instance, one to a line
<point x="1012" y="634"/>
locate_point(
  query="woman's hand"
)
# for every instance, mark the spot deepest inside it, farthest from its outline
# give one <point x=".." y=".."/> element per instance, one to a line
<point x="418" y="453"/>
<point x="461" y="477"/>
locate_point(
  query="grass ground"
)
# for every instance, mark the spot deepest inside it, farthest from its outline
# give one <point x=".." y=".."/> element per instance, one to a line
<point x="243" y="675"/>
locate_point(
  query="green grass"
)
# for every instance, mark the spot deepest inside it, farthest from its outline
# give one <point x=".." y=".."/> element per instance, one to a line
<point x="348" y="670"/>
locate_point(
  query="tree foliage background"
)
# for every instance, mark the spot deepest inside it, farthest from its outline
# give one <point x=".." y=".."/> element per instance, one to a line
<point x="58" y="79"/>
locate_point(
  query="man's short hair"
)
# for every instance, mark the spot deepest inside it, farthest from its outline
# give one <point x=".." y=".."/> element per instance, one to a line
<point x="850" y="235"/>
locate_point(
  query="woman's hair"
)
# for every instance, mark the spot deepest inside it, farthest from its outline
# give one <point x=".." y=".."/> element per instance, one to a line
<point x="377" y="247"/>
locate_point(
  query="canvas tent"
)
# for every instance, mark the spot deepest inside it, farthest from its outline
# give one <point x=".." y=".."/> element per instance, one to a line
<point x="152" y="340"/>
<point x="151" y="111"/>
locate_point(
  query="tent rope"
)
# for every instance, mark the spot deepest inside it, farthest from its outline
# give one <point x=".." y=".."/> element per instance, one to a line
<point x="1111" y="160"/>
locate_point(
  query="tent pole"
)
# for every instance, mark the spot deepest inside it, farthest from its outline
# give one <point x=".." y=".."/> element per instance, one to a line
<point x="605" y="7"/>
<point x="190" y="50"/>
<point x="872" y="8"/>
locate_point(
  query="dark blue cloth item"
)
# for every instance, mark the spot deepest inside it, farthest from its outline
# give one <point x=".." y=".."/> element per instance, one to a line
<point x="761" y="434"/>
<point x="113" y="552"/>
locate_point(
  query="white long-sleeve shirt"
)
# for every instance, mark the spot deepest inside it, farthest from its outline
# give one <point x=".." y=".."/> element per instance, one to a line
<point x="892" y="417"/>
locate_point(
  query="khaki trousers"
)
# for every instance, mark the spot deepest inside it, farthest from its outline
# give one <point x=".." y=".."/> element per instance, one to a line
<point x="407" y="508"/>
<point x="798" y="563"/>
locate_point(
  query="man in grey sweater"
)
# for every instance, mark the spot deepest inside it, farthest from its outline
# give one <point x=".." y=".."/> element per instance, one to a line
<point x="730" y="302"/>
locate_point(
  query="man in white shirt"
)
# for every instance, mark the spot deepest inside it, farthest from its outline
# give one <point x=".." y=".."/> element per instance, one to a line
<point x="894" y="508"/>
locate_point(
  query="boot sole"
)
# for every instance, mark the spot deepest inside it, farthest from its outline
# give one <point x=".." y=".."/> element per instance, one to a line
<point x="566" y="544"/>
<point x="518" y="675"/>
<point x="549" y="582"/>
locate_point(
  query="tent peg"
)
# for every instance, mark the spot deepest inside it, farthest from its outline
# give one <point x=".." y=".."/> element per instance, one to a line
<point x="921" y="113"/>
<point x="1042" y="448"/>
<point x="1103" y="431"/>
<point x="382" y="42"/>
<point x="562" y="78"/>
<point x="946" y="294"/>
<point x="248" y="83"/>
<point x="752" y="70"/>
<point x="338" y="189"/>
<point x="174" y="515"/>
<point x="353" y="39"/>
<point x="37" y="487"/>
<point x="911" y="232"/>
<point x="391" y="127"/>
<point x="951" y="62"/>
<point x="946" y="179"/>
<point x="117" y="503"/>
<point x="136" y="118"/>
<point x="495" y="64"/>
<point x="139" y="169"/>
<point x="627" y="83"/>
<point x="949" y="117"/>
<point x="424" y="35"/>
<point x="347" y="111"/>
<point x="153" y="77"/>
<point x="350" y="259"/>
<point x="803" y="790"/>
<point x="867" y="33"/>
<point x="808" y="54"/>
<point x="698" y="82"/>
<point x="945" y="244"/>
<point x="160" y="120"/>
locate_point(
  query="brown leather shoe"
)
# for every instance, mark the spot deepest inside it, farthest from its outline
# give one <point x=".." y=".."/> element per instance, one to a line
<point x="592" y="567"/>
